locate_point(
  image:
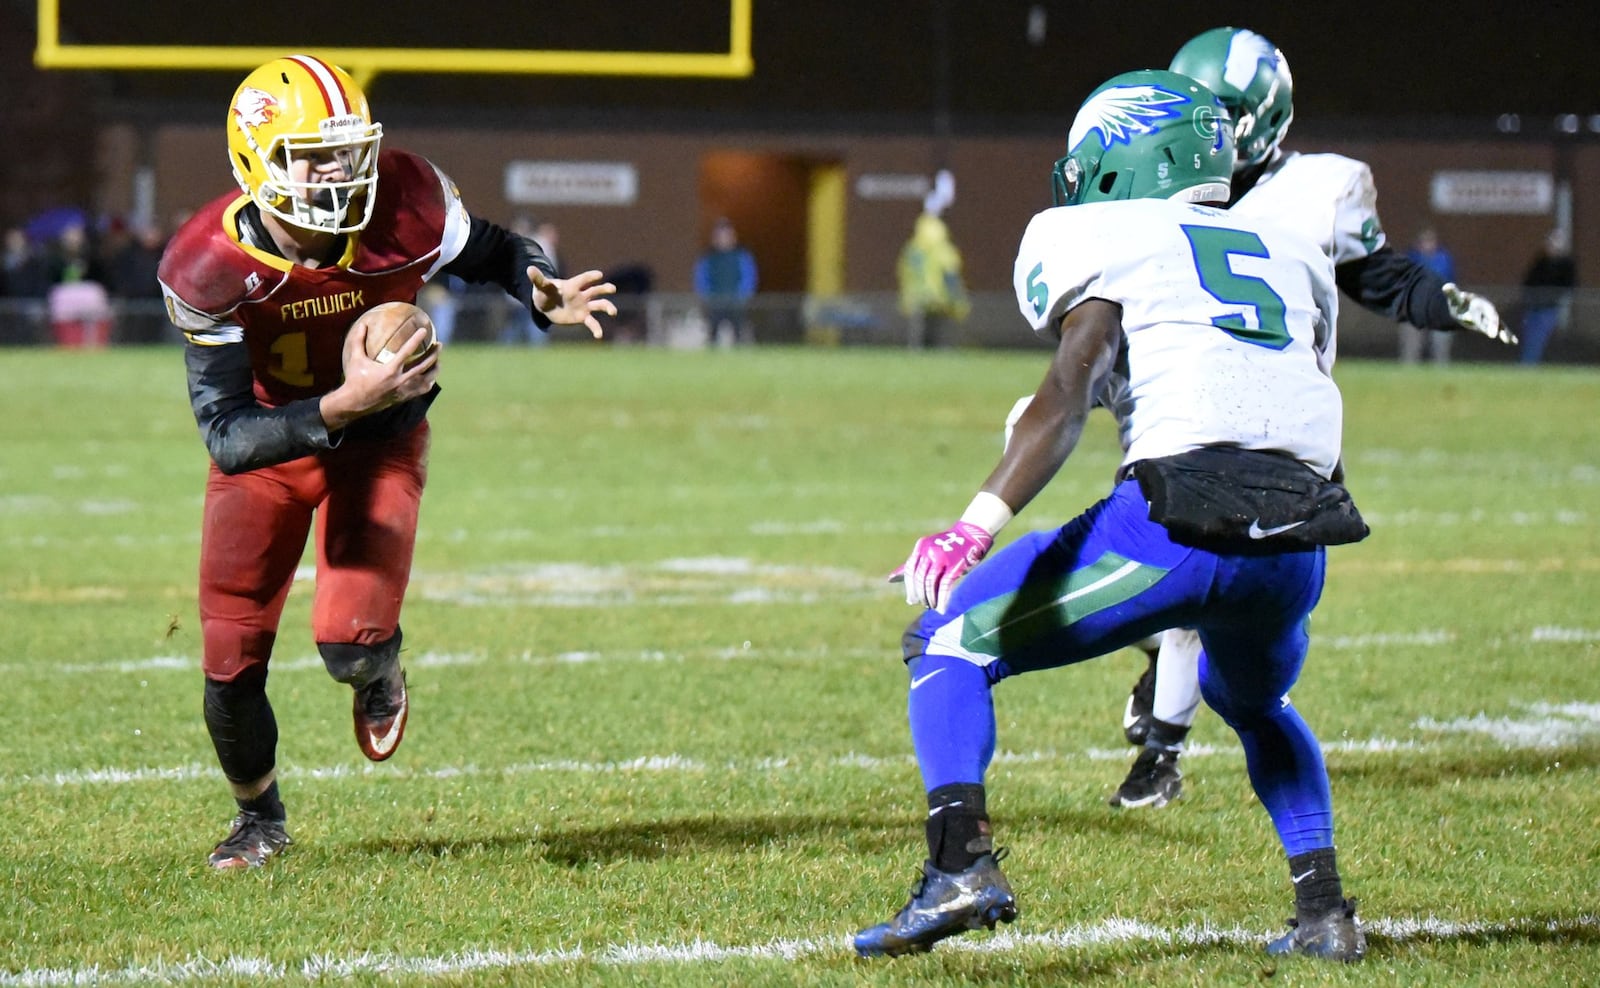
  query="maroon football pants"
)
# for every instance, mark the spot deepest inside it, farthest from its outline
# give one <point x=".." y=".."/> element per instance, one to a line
<point x="363" y="498"/>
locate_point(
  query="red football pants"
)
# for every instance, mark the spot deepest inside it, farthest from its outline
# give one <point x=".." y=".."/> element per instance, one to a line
<point x="364" y="497"/>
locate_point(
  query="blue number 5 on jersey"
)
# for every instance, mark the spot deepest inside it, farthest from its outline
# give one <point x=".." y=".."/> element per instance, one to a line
<point x="1213" y="247"/>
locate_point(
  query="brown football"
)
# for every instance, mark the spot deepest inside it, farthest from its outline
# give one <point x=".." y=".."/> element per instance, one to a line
<point x="390" y="325"/>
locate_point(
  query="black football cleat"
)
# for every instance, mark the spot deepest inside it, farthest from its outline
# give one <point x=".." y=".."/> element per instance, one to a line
<point x="380" y="710"/>
<point x="253" y="840"/>
<point x="1334" y="936"/>
<point x="1153" y="781"/>
<point x="942" y="905"/>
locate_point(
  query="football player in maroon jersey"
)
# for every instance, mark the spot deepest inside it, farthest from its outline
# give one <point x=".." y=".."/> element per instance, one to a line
<point x="305" y="430"/>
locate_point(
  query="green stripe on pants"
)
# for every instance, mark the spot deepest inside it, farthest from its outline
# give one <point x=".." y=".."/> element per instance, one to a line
<point x="1037" y="609"/>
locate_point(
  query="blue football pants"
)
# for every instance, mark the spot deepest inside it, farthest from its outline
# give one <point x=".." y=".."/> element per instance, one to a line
<point x="1102" y="582"/>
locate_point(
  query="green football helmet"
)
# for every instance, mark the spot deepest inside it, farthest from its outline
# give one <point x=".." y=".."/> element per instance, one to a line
<point x="1251" y="78"/>
<point x="1149" y="134"/>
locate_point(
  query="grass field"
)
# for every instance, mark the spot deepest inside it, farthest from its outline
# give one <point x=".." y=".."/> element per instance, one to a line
<point x="658" y="730"/>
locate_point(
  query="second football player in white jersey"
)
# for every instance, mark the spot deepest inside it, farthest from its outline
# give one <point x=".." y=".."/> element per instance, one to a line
<point x="1330" y="200"/>
<point x="1213" y="332"/>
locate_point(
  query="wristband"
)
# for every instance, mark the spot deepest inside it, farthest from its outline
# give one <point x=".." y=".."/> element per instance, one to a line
<point x="987" y="512"/>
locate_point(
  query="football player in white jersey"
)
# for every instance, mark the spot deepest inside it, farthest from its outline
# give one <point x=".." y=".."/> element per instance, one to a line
<point x="1330" y="199"/>
<point x="1209" y="336"/>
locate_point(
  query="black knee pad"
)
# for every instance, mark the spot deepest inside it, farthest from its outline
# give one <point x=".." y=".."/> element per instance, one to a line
<point x="359" y="665"/>
<point x="242" y="727"/>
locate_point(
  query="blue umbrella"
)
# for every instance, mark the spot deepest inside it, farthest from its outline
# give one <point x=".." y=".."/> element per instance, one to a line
<point x="45" y="227"/>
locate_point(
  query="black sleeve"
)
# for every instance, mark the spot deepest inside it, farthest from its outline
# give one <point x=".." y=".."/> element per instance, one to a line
<point x="495" y="255"/>
<point x="1392" y="284"/>
<point x="240" y="433"/>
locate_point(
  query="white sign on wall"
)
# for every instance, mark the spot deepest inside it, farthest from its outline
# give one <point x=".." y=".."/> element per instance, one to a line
<point x="1521" y="193"/>
<point x="582" y="183"/>
<point x="885" y="185"/>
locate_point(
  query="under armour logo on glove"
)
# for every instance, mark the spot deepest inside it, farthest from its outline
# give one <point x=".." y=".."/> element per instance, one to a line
<point x="938" y="561"/>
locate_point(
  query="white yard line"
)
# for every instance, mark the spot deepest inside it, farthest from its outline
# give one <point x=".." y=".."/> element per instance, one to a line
<point x="1112" y="931"/>
<point x="1547" y="725"/>
<point x="1374" y="641"/>
<point x="1552" y="634"/>
<point x="433" y="659"/>
<point x="1580" y="724"/>
<point x="1384" y="639"/>
<point x="1477" y="518"/>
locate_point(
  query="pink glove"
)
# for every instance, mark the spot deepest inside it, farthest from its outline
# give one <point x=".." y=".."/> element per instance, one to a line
<point x="938" y="561"/>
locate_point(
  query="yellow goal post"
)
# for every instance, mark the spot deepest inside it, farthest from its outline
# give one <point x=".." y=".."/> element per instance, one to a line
<point x="365" y="63"/>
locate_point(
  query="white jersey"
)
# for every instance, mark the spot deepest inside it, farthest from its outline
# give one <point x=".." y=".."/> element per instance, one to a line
<point x="1326" y="197"/>
<point x="1225" y="321"/>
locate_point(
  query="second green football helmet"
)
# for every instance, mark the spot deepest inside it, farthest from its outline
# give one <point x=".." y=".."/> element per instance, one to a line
<point x="1150" y="134"/>
<point x="1251" y="78"/>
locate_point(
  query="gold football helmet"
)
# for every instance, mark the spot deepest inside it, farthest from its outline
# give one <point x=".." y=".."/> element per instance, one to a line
<point x="290" y="121"/>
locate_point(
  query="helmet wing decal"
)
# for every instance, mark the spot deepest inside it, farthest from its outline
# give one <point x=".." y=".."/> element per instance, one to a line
<point x="1246" y="53"/>
<point x="1150" y="133"/>
<point x="1120" y="114"/>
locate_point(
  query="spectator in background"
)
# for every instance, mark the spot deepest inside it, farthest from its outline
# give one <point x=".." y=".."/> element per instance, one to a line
<point x="133" y="263"/>
<point x="1431" y="254"/>
<point x="1547" y="295"/>
<point x="441" y="299"/>
<point x="931" y="290"/>
<point x="80" y="306"/>
<point x="133" y="279"/>
<point x="725" y="280"/>
<point x="519" y="327"/>
<point x="24" y="283"/>
<point x="548" y="237"/>
<point x="24" y="273"/>
<point x="73" y="259"/>
<point x="634" y="283"/>
<point x="112" y="237"/>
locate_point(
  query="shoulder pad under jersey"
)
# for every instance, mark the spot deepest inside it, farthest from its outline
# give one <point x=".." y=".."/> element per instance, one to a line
<point x="206" y="273"/>
<point x="410" y="217"/>
<point x="1337" y="189"/>
<point x="1057" y="261"/>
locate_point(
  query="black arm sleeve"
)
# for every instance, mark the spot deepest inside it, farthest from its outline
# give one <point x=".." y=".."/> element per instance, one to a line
<point x="495" y="255"/>
<point x="240" y="433"/>
<point x="1392" y="284"/>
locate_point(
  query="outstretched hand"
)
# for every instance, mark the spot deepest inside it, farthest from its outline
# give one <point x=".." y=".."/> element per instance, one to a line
<point x="1477" y="313"/>
<point x="937" y="561"/>
<point x="575" y="300"/>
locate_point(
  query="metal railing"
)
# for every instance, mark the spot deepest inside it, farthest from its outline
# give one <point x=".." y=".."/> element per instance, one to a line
<point x="677" y="320"/>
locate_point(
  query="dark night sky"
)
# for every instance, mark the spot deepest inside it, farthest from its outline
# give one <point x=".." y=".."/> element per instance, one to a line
<point x="845" y="65"/>
<point x="866" y="59"/>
